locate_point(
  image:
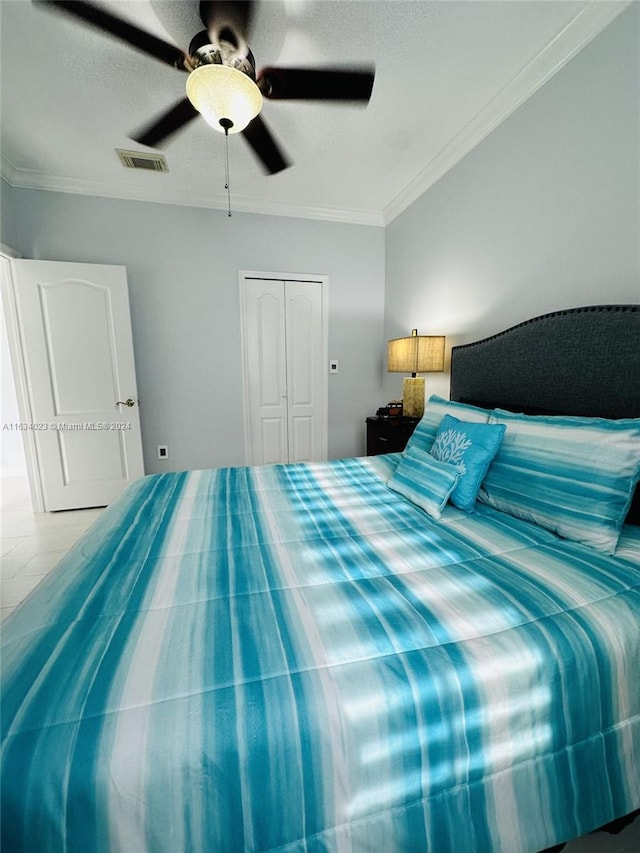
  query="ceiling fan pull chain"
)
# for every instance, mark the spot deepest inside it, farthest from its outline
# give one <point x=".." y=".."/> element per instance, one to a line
<point x="226" y="170"/>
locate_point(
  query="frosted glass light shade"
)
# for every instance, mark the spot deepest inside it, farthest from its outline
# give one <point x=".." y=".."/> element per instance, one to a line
<point x="221" y="92"/>
<point x="416" y="354"/>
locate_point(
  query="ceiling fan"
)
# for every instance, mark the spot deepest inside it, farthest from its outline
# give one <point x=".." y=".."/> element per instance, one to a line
<point x="222" y="84"/>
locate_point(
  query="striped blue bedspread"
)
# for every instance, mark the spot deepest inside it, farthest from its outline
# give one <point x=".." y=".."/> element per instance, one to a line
<point x="295" y="658"/>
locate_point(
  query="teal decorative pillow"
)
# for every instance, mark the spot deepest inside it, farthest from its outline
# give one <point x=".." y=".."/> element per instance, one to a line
<point x="470" y="446"/>
<point x="424" y="480"/>
<point x="574" y="476"/>
<point x="436" y="408"/>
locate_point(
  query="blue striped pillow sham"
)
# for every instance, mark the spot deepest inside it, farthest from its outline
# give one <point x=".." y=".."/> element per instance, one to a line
<point x="424" y="480"/>
<point x="573" y="476"/>
<point x="425" y="432"/>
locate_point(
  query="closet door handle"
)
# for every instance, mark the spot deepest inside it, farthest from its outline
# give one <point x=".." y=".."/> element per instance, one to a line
<point x="128" y="402"/>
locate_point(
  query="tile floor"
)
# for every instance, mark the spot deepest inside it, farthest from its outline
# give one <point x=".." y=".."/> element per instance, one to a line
<point x="32" y="544"/>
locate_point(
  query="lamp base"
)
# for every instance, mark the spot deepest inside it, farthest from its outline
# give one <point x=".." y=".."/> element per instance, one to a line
<point x="413" y="397"/>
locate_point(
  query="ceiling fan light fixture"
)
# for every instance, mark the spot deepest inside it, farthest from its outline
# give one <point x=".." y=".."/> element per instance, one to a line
<point x="223" y="94"/>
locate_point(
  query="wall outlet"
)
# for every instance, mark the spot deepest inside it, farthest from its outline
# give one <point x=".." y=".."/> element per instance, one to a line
<point x="163" y="451"/>
<point x="334" y="366"/>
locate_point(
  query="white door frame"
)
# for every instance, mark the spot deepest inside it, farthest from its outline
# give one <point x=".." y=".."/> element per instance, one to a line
<point x="18" y="366"/>
<point x="247" y="275"/>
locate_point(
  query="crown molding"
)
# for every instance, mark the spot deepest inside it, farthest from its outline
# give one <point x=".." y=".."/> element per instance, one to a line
<point x="586" y="25"/>
<point x="34" y="180"/>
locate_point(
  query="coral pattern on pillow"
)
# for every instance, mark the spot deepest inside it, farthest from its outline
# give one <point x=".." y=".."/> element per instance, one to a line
<point x="450" y="446"/>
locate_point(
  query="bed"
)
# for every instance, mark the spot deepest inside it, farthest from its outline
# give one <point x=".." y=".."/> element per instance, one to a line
<point x="333" y="657"/>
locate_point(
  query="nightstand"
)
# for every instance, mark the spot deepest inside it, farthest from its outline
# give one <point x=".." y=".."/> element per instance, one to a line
<point x="388" y="435"/>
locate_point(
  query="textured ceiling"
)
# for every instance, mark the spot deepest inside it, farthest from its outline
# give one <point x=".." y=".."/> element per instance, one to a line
<point x="446" y="74"/>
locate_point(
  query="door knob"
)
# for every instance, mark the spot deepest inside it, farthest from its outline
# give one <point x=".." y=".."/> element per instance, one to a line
<point x="128" y="402"/>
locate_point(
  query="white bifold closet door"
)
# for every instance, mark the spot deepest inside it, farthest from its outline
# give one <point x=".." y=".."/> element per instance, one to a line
<point x="284" y="334"/>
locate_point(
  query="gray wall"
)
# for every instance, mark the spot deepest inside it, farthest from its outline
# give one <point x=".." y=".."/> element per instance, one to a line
<point x="183" y="266"/>
<point x="544" y="214"/>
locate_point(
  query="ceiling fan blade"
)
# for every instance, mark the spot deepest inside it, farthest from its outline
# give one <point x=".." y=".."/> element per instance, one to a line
<point x="229" y="20"/>
<point x="170" y="122"/>
<point x="265" y="147"/>
<point x="121" y="29"/>
<point x="317" y="84"/>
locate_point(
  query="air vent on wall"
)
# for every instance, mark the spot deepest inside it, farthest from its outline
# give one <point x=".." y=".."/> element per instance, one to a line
<point x="142" y="160"/>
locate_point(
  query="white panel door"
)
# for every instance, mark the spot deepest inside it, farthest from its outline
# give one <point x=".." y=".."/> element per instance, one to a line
<point x="75" y="332"/>
<point x="284" y="336"/>
<point x="266" y="372"/>
<point x="303" y="313"/>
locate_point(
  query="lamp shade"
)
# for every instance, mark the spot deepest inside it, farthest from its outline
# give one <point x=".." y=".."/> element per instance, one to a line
<point x="416" y="354"/>
<point x="221" y="92"/>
